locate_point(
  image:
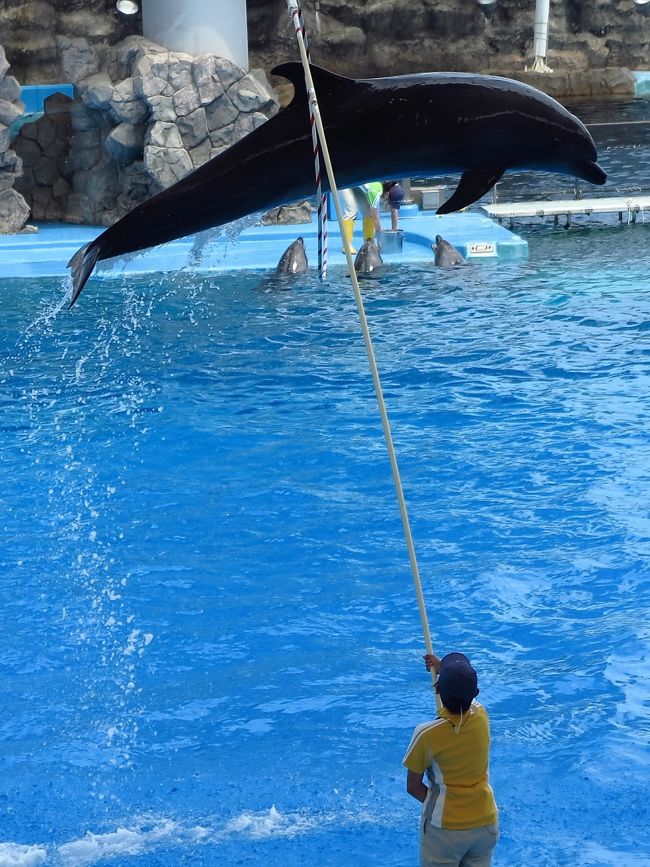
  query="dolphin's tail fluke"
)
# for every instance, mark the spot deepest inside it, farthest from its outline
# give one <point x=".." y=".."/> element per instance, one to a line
<point x="82" y="264"/>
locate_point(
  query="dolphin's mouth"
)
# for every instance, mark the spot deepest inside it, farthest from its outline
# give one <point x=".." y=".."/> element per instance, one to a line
<point x="589" y="171"/>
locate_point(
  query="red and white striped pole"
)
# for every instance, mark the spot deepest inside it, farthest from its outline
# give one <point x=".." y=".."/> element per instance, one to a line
<point x="295" y="13"/>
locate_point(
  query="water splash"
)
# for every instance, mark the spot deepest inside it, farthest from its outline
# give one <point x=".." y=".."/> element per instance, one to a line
<point x="203" y="242"/>
<point x="145" y="835"/>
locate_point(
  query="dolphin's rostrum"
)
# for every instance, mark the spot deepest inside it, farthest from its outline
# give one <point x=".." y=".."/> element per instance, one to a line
<point x="404" y="126"/>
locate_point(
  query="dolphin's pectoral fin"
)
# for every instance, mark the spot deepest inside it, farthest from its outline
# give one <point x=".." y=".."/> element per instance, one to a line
<point x="325" y="83"/>
<point x="473" y="184"/>
<point x="82" y="264"/>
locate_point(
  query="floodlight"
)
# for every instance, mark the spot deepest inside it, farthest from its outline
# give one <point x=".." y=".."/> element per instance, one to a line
<point x="127" y="7"/>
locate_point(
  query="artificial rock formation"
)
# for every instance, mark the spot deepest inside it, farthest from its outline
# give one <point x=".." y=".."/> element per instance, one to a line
<point x="14" y="210"/>
<point x="389" y="37"/>
<point x="144" y="118"/>
<point x="30" y="31"/>
<point x="365" y="38"/>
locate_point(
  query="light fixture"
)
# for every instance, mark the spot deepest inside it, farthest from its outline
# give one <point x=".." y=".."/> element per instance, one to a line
<point x="127" y="7"/>
<point x="488" y="7"/>
<point x="642" y="6"/>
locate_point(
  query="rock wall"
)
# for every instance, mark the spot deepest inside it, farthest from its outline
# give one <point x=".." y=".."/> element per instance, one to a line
<point x="14" y="210"/>
<point x="367" y="37"/>
<point x="144" y="118"/>
<point x="30" y="30"/>
<point x="389" y="37"/>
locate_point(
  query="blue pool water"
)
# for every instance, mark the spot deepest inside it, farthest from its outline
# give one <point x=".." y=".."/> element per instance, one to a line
<point x="211" y="645"/>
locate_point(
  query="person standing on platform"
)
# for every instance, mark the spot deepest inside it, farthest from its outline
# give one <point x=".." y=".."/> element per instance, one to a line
<point x="459" y="820"/>
<point x="364" y="198"/>
<point x="394" y="192"/>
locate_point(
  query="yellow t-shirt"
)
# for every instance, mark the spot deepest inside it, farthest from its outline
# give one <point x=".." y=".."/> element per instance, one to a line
<point x="455" y="756"/>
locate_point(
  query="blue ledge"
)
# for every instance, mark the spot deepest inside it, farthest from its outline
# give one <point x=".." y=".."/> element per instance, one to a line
<point x="642" y="83"/>
<point x="46" y="252"/>
<point x="34" y="95"/>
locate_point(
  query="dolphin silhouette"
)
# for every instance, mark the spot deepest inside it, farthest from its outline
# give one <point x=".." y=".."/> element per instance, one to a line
<point x="403" y="126"/>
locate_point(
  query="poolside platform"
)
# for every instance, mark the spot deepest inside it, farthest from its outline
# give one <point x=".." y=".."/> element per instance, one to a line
<point x="628" y="208"/>
<point x="47" y="251"/>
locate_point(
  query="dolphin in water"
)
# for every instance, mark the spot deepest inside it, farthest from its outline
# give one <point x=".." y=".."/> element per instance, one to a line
<point x="368" y="260"/>
<point x="446" y="254"/>
<point x="446" y="122"/>
<point x="294" y="259"/>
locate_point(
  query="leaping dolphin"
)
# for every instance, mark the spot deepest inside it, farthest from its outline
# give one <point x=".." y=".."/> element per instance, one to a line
<point x="419" y="125"/>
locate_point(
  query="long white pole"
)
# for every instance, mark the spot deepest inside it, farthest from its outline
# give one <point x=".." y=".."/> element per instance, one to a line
<point x="294" y="11"/>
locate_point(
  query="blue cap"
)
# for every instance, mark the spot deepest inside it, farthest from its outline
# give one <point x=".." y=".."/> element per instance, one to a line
<point x="457" y="682"/>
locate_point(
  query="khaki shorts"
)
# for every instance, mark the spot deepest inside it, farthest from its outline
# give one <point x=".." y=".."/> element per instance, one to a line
<point x="440" y="847"/>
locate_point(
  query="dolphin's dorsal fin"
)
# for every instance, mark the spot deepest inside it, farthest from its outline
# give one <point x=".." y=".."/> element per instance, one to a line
<point x="326" y="83"/>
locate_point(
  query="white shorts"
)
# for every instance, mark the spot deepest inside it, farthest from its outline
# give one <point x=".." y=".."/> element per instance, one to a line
<point x="440" y="847"/>
<point x="348" y="204"/>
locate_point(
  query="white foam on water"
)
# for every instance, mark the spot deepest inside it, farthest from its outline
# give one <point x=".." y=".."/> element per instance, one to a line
<point x="15" y="855"/>
<point x="136" y="840"/>
<point x="270" y="824"/>
<point x="146" y="834"/>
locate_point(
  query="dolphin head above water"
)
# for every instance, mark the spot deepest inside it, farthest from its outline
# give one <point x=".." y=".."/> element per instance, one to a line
<point x="368" y="260"/>
<point x="294" y="259"/>
<point x="446" y="255"/>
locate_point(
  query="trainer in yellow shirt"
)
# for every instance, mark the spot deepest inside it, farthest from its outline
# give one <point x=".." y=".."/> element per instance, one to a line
<point x="459" y="826"/>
